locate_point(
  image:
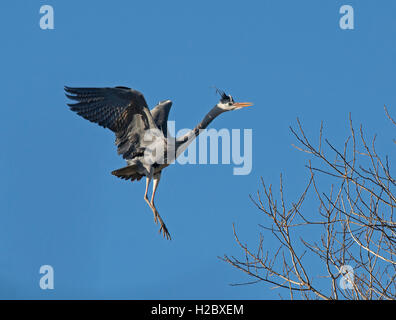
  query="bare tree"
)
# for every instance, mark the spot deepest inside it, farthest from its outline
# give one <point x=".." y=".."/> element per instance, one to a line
<point x="353" y="229"/>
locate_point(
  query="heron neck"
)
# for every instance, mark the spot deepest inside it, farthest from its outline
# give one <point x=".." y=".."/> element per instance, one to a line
<point x="210" y="116"/>
<point x="183" y="142"/>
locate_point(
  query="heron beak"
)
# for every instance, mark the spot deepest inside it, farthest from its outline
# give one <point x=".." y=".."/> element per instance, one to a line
<point x="242" y="104"/>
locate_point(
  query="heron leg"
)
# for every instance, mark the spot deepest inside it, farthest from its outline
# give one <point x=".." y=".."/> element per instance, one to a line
<point x="148" y="180"/>
<point x="157" y="217"/>
<point x="163" y="228"/>
<point x="156" y="180"/>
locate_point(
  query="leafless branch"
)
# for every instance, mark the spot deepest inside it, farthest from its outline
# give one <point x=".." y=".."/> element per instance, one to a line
<point x="354" y="230"/>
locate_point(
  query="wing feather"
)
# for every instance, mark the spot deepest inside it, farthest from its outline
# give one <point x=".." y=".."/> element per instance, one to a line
<point x="160" y="115"/>
<point x="120" y="109"/>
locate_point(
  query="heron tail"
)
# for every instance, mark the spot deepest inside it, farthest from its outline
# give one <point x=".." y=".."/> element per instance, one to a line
<point x="128" y="172"/>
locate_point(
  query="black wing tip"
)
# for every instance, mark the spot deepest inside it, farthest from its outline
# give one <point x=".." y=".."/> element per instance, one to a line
<point x="122" y="87"/>
<point x="72" y="106"/>
<point x="77" y="90"/>
<point x="82" y="90"/>
<point x="69" y="96"/>
<point x="70" y="90"/>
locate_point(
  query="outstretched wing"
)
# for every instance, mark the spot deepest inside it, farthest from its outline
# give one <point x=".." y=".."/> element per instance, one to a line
<point x="160" y="115"/>
<point x="120" y="109"/>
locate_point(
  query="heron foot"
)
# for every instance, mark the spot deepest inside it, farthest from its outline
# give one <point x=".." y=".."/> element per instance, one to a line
<point x="165" y="231"/>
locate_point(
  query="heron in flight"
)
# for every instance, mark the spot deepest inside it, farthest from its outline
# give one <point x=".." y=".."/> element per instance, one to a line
<point x="139" y="131"/>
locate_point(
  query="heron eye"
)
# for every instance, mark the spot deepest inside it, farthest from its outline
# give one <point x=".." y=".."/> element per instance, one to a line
<point x="229" y="103"/>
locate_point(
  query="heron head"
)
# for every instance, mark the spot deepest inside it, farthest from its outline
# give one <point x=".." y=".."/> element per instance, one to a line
<point x="227" y="102"/>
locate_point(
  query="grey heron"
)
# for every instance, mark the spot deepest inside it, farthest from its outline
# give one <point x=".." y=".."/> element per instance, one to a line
<point x="125" y="112"/>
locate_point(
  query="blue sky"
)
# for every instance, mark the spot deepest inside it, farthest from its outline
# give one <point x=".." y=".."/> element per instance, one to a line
<point x="59" y="204"/>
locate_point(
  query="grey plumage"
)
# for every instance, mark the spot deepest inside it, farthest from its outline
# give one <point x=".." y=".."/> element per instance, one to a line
<point x="125" y="112"/>
<point x="160" y="115"/>
<point x="122" y="110"/>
